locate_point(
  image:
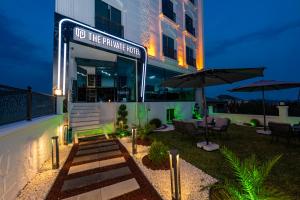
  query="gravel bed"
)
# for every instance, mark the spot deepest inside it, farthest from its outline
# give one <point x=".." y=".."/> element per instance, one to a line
<point x="193" y="180"/>
<point x="41" y="183"/>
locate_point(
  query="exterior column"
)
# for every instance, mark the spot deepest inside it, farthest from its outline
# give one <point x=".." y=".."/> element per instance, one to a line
<point x="283" y="113"/>
<point x="59" y="104"/>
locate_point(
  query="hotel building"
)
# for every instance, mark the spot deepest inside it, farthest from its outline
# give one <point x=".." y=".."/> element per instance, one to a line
<point x="108" y="52"/>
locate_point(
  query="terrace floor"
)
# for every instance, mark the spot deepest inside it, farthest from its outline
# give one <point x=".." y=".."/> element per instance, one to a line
<point x="101" y="168"/>
<point x="244" y="141"/>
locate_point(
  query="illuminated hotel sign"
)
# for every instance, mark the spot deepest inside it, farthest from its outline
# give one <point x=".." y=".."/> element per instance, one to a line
<point x="103" y="41"/>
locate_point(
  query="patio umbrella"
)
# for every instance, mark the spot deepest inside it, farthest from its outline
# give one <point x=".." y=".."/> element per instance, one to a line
<point x="212" y="77"/>
<point x="266" y="85"/>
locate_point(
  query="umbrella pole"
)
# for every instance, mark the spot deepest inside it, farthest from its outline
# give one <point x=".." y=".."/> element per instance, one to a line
<point x="264" y="108"/>
<point x="205" y="114"/>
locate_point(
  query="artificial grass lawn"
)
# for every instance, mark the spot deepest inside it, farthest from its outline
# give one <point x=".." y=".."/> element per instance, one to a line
<point x="285" y="176"/>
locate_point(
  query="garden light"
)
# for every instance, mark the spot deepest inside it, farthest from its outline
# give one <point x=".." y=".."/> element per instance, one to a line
<point x="175" y="174"/>
<point x="134" y="145"/>
<point x="55" y="153"/>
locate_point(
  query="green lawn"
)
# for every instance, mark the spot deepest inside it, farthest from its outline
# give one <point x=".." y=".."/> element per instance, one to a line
<point x="244" y="141"/>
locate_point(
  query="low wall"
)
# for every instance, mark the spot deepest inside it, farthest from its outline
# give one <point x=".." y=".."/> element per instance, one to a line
<point x="24" y="147"/>
<point x="140" y="113"/>
<point x="244" y="118"/>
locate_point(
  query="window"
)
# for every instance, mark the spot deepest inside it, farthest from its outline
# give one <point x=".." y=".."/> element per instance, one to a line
<point x="167" y="9"/>
<point x="156" y="93"/>
<point x="190" y="60"/>
<point x="168" y="47"/>
<point x="189" y="25"/>
<point x="108" y="18"/>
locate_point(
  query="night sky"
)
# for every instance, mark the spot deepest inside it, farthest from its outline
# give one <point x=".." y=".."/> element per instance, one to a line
<point x="238" y="33"/>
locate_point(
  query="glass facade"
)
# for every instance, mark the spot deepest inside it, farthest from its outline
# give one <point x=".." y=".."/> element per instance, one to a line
<point x="167" y="9"/>
<point x="190" y="60"/>
<point x="189" y="25"/>
<point x="156" y="93"/>
<point x="108" y="19"/>
<point x="105" y="81"/>
<point x="169" y="47"/>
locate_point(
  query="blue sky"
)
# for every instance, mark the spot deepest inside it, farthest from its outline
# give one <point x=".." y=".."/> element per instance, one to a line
<point x="237" y="33"/>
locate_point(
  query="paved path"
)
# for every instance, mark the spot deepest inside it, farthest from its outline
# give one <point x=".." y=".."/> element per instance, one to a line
<point x="99" y="169"/>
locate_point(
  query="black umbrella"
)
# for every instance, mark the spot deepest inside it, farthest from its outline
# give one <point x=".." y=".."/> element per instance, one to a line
<point x="263" y="86"/>
<point x="212" y="77"/>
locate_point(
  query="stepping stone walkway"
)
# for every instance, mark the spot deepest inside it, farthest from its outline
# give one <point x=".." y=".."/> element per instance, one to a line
<point x="100" y="168"/>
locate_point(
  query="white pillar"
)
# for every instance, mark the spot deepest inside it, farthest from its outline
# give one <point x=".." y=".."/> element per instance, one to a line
<point x="59" y="104"/>
<point x="283" y="113"/>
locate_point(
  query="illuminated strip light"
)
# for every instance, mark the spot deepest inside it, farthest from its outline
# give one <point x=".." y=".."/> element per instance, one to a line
<point x="104" y="33"/>
<point x="65" y="67"/>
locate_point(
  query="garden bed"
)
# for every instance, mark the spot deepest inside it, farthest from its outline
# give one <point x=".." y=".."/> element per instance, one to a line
<point x="194" y="181"/>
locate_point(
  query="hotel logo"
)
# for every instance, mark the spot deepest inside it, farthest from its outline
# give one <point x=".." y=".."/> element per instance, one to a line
<point x="103" y="41"/>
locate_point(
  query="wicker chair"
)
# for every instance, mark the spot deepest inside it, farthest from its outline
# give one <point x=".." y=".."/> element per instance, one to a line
<point x="210" y="121"/>
<point x="221" y="125"/>
<point x="283" y="130"/>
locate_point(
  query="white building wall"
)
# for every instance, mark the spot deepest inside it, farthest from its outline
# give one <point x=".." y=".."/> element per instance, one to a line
<point x="144" y="23"/>
<point x="24" y="147"/>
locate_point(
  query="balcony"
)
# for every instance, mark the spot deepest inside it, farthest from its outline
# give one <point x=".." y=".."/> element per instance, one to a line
<point x="109" y="26"/>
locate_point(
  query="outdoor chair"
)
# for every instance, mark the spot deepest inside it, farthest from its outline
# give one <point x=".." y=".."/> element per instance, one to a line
<point x="221" y="125"/>
<point x="191" y="129"/>
<point x="210" y="121"/>
<point x="178" y="126"/>
<point x="283" y="130"/>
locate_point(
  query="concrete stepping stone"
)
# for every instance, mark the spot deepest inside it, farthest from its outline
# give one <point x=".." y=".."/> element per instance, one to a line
<point x="119" y="189"/>
<point x="96" y="156"/>
<point x="92" y="195"/>
<point x="98" y="150"/>
<point x="113" y="161"/>
<point x="84" y="167"/>
<point x="94" y="178"/>
<point x="96" y="164"/>
<point x="96" y="145"/>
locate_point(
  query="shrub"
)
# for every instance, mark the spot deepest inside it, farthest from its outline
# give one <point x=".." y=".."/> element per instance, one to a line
<point x="122" y="133"/>
<point x="145" y="131"/>
<point x="254" y="122"/>
<point x="156" y="122"/>
<point x="158" y="153"/>
<point x="122" y="116"/>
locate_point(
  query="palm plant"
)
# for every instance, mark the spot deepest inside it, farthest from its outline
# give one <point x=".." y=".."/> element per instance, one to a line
<point x="250" y="178"/>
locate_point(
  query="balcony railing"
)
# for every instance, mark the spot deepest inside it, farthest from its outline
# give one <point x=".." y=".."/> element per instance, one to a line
<point x="109" y="26"/>
<point x="19" y="104"/>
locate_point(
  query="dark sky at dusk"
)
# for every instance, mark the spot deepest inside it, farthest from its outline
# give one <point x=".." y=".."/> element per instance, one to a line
<point x="238" y="33"/>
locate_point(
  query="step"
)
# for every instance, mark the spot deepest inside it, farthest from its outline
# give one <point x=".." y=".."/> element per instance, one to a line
<point x="83" y="119"/>
<point x="86" y="128"/>
<point x="81" y="115"/>
<point x="84" y="123"/>
<point x="84" y="111"/>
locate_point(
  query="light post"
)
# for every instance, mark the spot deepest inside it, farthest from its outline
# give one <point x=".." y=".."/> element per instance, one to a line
<point x="134" y="145"/>
<point x="55" y="152"/>
<point x="175" y="174"/>
<point x="66" y="134"/>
